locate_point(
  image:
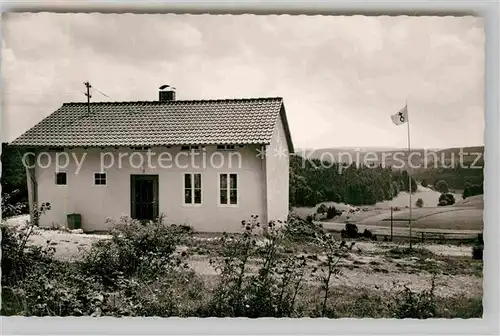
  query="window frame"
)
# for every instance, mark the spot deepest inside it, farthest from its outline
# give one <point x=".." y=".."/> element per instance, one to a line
<point x="192" y="174"/>
<point x="140" y="148"/>
<point x="105" y="179"/>
<point x="227" y="148"/>
<point x="192" y="148"/>
<point x="65" y="178"/>
<point x="228" y="191"/>
<point x="56" y="149"/>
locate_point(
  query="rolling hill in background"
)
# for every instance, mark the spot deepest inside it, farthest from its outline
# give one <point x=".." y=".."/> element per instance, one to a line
<point x="397" y="157"/>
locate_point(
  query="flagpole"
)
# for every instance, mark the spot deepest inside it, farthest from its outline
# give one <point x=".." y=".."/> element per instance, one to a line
<point x="409" y="163"/>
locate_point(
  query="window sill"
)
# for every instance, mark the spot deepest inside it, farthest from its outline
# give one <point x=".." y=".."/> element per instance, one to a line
<point x="228" y="205"/>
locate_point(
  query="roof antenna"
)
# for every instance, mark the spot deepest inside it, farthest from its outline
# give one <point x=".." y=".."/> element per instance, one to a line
<point x="88" y="86"/>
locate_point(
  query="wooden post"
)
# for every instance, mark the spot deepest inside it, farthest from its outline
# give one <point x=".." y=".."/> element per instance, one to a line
<point x="391" y="223"/>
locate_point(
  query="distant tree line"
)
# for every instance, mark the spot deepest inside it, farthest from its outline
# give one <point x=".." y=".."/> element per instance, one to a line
<point x="456" y="178"/>
<point x="13" y="180"/>
<point x="313" y="182"/>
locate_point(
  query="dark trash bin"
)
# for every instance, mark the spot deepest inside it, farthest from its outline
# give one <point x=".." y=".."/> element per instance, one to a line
<point x="74" y="221"/>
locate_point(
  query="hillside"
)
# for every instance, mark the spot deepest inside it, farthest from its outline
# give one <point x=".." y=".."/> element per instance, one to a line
<point x="395" y="157"/>
<point x="465" y="218"/>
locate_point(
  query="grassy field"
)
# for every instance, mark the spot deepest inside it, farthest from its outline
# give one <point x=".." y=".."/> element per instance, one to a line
<point x="450" y="218"/>
<point x="465" y="215"/>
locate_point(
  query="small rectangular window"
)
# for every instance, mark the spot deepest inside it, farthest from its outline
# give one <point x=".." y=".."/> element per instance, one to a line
<point x="191" y="148"/>
<point x="100" y="178"/>
<point x="225" y="147"/>
<point x="192" y="188"/>
<point x="141" y="148"/>
<point x="61" y="178"/>
<point x="228" y="189"/>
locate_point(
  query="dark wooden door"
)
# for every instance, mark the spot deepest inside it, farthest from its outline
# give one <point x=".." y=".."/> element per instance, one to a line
<point x="144" y="196"/>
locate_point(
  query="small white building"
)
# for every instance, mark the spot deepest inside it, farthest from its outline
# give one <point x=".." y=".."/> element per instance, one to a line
<point x="205" y="163"/>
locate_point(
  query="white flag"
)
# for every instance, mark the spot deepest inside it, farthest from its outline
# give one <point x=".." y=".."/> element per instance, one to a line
<point x="401" y="117"/>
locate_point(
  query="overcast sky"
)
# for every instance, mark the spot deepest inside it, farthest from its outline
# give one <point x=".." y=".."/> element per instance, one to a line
<point x="340" y="77"/>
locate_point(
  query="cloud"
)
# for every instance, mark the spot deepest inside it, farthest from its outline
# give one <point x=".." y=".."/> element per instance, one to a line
<point x="341" y="77"/>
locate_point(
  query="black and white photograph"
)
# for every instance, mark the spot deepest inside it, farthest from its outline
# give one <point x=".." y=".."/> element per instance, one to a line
<point x="284" y="166"/>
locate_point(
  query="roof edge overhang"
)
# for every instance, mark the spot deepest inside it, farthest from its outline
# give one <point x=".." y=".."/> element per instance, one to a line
<point x="134" y="145"/>
<point x="288" y="135"/>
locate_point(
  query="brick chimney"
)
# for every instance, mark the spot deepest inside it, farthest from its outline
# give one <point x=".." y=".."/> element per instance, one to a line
<point x="166" y="93"/>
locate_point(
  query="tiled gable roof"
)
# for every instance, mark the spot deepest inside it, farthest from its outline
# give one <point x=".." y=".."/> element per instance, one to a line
<point x="155" y="123"/>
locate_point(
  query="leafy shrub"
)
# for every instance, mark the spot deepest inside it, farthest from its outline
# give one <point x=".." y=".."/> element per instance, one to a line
<point x="55" y="290"/>
<point x="441" y="186"/>
<point x="409" y="304"/>
<point x="13" y="179"/>
<point x="177" y="293"/>
<point x="477" y="252"/>
<point x="135" y="249"/>
<point x="260" y="276"/>
<point x="367" y="234"/>
<point x="327" y="268"/>
<point x="231" y="265"/>
<point x="332" y="212"/>
<point x="300" y="231"/>
<point x="350" y="231"/>
<point x="419" y="203"/>
<point x="343" y="233"/>
<point x="273" y="290"/>
<point x="472" y="190"/>
<point x="10" y="207"/>
<point x="17" y="256"/>
<point x="33" y="282"/>
<point x="137" y="272"/>
<point x="321" y="209"/>
<point x="446" y="199"/>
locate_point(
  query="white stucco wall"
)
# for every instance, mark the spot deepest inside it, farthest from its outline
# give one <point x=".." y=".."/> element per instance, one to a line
<point x="277" y="175"/>
<point x="97" y="203"/>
